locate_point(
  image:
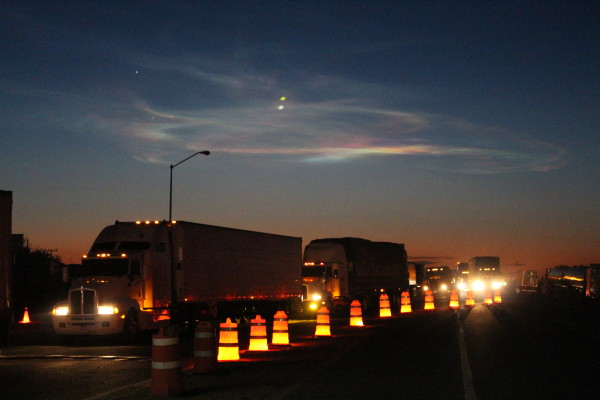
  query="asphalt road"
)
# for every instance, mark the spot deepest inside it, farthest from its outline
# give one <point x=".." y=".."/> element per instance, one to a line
<point x="525" y="348"/>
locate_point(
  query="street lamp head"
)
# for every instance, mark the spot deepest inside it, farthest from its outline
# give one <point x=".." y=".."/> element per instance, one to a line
<point x="205" y="152"/>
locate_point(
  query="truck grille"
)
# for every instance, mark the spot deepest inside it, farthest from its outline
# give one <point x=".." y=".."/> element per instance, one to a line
<point x="82" y="301"/>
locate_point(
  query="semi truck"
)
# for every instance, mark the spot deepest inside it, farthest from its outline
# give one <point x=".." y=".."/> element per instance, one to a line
<point x="137" y="274"/>
<point x="484" y="273"/>
<point x="524" y="281"/>
<point x="339" y="270"/>
<point x="580" y="281"/>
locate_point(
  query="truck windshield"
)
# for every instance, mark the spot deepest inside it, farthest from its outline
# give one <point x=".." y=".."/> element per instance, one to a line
<point x="101" y="267"/>
<point x="313" y="272"/>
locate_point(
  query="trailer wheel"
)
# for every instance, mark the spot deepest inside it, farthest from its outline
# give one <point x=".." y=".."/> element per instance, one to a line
<point x="131" y="327"/>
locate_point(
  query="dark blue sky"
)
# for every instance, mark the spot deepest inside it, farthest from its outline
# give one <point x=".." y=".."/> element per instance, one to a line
<point x="458" y="128"/>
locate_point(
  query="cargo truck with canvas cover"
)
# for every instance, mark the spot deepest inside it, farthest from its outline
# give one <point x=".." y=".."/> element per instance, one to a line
<point x="339" y="270"/>
<point x="139" y="273"/>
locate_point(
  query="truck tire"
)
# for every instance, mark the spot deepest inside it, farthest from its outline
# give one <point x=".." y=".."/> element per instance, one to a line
<point x="131" y="327"/>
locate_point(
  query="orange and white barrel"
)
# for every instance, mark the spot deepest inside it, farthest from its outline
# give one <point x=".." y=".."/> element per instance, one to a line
<point x="258" y="334"/>
<point x="356" y="313"/>
<point x="281" y="334"/>
<point x="384" y="306"/>
<point x="323" y="324"/>
<point x="166" y="365"/>
<point x="429" y="301"/>
<point x="205" y="348"/>
<point x="229" y="349"/>
<point x="405" y="306"/>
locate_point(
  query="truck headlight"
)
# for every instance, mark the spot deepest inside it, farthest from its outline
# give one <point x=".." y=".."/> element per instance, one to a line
<point x="104" y="310"/>
<point x="478" y="286"/>
<point x="496" y="285"/>
<point x="62" y="310"/>
<point x="316" y="297"/>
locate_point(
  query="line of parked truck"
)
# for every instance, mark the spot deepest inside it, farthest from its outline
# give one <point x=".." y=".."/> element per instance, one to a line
<point x="137" y="274"/>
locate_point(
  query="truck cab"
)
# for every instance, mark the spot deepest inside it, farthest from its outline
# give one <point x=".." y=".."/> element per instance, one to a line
<point x="324" y="276"/>
<point x="111" y="291"/>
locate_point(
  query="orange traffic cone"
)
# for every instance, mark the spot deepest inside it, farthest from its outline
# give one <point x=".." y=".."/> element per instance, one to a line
<point x="470" y="302"/>
<point x="323" y="328"/>
<point x="497" y="296"/>
<point x="258" y="334"/>
<point x="281" y="335"/>
<point x="384" y="306"/>
<point x="356" y="313"/>
<point x="488" y="297"/>
<point x="25" y="319"/>
<point x="429" y="302"/>
<point x="405" y="306"/>
<point x="454" y="304"/>
<point x="229" y="349"/>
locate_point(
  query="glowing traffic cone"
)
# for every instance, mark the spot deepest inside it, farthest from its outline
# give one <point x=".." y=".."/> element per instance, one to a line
<point x="454" y="304"/>
<point x="25" y="319"/>
<point x="258" y="334"/>
<point x="429" y="302"/>
<point x="229" y="349"/>
<point x="384" y="306"/>
<point x="488" y="297"/>
<point x="323" y="328"/>
<point x="356" y="313"/>
<point x="281" y="335"/>
<point x="405" y="306"/>
<point x="497" y="296"/>
<point x="470" y="302"/>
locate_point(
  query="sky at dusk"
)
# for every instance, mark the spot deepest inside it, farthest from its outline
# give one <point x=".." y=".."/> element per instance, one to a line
<point x="459" y="128"/>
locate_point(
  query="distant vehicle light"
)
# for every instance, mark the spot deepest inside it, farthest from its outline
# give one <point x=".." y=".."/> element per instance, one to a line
<point x="105" y="310"/>
<point x="478" y="286"/>
<point x="313" y="306"/>
<point x="63" y="310"/>
<point x="461" y="285"/>
<point x="425" y="288"/>
<point x="496" y="285"/>
<point x="443" y="287"/>
<point x="316" y="297"/>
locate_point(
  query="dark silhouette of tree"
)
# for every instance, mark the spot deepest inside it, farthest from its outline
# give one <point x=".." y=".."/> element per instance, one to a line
<point x="36" y="280"/>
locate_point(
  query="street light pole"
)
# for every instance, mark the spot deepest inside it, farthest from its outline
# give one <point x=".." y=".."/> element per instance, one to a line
<point x="205" y="152"/>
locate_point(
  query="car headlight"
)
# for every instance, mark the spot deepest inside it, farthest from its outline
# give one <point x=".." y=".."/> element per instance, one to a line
<point x="478" y="285"/>
<point x="316" y="297"/>
<point x="313" y="306"/>
<point x="62" y="310"/>
<point x="104" y="310"/>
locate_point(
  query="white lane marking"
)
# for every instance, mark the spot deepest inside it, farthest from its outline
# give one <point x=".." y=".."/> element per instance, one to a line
<point x="464" y="363"/>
